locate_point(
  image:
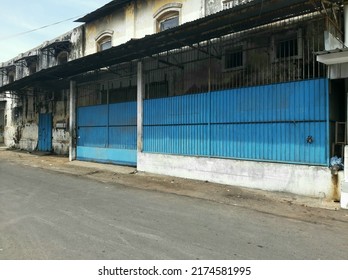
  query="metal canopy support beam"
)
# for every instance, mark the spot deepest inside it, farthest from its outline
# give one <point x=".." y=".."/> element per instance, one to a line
<point x="167" y="62"/>
<point x="240" y="18"/>
<point x="22" y="63"/>
<point x="200" y="49"/>
<point x="72" y="122"/>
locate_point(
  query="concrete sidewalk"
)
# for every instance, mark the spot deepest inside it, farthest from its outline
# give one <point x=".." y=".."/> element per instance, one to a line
<point x="275" y="203"/>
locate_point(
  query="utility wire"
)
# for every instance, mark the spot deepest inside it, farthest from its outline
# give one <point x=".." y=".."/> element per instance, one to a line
<point x="36" y="29"/>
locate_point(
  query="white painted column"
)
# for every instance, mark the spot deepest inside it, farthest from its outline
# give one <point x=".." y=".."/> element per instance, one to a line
<point x="140" y="106"/>
<point x="346" y="147"/>
<point x="345" y="23"/>
<point x="72" y="121"/>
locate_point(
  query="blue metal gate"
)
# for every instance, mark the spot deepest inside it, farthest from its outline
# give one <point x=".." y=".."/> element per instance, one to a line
<point x="45" y="132"/>
<point x="286" y="122"/>
<point x="108" y="133"/>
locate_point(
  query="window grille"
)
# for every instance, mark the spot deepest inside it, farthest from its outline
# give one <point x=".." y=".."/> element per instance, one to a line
<point x="233" y="59"/>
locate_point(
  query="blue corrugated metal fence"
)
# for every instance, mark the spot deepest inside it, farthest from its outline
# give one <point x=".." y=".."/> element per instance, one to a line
<point x="267" y="123"/>
<point x="108" y="133"/>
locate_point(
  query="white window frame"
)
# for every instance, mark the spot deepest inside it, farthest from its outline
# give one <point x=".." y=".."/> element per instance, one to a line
<point x="104" y="37"/>
<point x="287" y="36"/>
<point x="168" y="11"/>
<point x="234" y="49"/>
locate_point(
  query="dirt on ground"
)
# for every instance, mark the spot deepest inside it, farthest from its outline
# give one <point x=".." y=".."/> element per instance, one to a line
<point x="285" y="205"/>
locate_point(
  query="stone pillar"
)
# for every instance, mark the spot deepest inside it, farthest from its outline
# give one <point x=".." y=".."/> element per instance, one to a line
<point x="72" y="121"/>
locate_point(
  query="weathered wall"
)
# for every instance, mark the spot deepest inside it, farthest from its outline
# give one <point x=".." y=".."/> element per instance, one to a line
<point x="213" y="6"/>
<point x="45" y="59"/>
<point x="145" y="11"/>
<point x="2" y="119"/>
<point x="22" y="110"/>
<point x="298" y="179"/>
<point x="75" y="36"/>
<point x="114" y="23"/>
<point x="22" y="129"/>
<point x="136" y="20"/>
<point x="60" y="132"/>
<point x="10" y="129"/>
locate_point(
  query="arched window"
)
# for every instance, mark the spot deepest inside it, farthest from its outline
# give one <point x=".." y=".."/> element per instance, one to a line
<point x="32" y="68"/>
<point x="11" y="77"/>
<point x="62" y="57"/>
<point x="168" y="16"/>
<point x="104" y="40"/>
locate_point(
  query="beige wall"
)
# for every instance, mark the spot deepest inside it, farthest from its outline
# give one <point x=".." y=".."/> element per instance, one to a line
<point x="137" y="20"/>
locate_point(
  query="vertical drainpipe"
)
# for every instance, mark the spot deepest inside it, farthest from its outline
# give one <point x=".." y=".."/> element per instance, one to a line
<point x="140" y="106"/>
<point x="72" y="121"/>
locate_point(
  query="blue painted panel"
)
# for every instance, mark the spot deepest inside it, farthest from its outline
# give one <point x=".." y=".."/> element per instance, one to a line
<point x="45" y="132"/>
<point x="107" y="133"/>
<point x="107" y="155"/>
<point x="270" y="123"/>
<point x="280" y="142"/>
<point x="183" y="140"/>
<point x="123" y="113"/>
<point x="123" y="137"/>
<point x="92" y="115"/>
<point x="187" y="109"/>
<point x="92" y="137"/>
<point x="296" y="101"/>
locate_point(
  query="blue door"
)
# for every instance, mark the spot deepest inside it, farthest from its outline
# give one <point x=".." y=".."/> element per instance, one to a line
<point x="45" y="132"/>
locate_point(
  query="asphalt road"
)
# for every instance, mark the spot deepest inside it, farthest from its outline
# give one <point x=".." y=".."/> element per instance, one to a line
<point x="49" y="215"/>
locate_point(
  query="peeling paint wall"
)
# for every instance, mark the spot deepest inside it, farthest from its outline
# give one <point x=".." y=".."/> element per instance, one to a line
<point x="45" y="59"/>
<point x="2" y="119"/>
<point x="213" y="6"/>
<point x="145" y="22"/>
<point x="22" y="111"/>
<point x="22" y="114"/>
<point x="114" y="23"/>
<point x="136" y="20"/>
<point x="60" y="132"/>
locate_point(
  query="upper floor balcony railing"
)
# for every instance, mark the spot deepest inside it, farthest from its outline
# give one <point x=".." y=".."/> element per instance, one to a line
<point x="227" y="4"/>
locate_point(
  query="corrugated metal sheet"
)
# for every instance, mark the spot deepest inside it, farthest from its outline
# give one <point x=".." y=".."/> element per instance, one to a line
<point x="108" y="133"/>
<point x="270" y="123"/>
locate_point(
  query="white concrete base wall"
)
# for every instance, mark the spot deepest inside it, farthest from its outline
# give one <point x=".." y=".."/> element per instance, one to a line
<point x="305" y="180"/>
<point x="60" y="141"/>
<point x="29" y="137"/>
<point x="9" y="135"/>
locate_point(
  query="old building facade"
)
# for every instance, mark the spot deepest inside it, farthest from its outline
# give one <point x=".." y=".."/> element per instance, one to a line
<point x="225" y="91"/>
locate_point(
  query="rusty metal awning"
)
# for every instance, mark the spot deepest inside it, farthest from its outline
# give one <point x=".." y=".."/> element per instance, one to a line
<point x="239" y="18"/>
<point x="8" y="68"/>
<point x="58" y="45"/>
